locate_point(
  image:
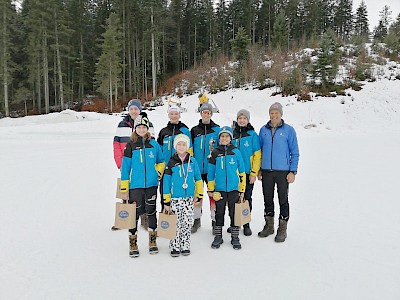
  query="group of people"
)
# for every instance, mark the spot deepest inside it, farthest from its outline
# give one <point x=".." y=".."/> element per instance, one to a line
<point x="228" y="159"/>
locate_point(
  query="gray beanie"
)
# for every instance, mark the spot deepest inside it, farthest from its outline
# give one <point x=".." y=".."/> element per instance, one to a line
<point x="276" y="106"/>
<point x="206" y="106"/>
<point x="243" y="112"/>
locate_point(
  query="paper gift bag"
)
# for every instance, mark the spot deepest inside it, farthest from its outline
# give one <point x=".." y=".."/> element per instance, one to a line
<point x="125" y="215"/>
<point x="119" y="195"/>
<point x="166" y="225"/>
<point x="242" y="213"/>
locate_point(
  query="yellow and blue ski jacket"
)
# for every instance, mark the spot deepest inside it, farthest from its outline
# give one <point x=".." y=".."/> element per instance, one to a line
<point x="226" y="171"/>
<point x="174" y="179"/>
<point x="142" y="164"/>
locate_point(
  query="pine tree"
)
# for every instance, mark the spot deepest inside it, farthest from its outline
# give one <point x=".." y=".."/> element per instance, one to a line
<point x="343" y="20"/>
<point x="361" y="26"/>
<point x="109" y="68"/>
<point x="7" y="12"/>
<point x="240" y="44"/>
<point x="280" y="35"/>
<point x="380" y="32"/>
<point x="327" y="63"/>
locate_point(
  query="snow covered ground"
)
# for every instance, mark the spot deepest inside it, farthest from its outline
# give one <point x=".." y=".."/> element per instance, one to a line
<point x="57" y="203"/>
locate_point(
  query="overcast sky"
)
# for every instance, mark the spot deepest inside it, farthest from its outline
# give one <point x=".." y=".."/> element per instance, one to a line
<point x="373" y="8"/>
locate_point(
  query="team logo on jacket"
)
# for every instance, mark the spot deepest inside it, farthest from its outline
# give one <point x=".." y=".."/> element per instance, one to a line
<point x="190" y="168"/>
<point x="246" y="144"/>
<point x="164" y="224"/>
<point x="151" y="155"/>
<point x="123" y="214"/>
<point x="232" y="162"/>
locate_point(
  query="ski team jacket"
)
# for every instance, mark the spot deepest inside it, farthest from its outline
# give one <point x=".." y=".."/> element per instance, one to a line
<point x="248" y="143"/>
<point x="281" y="151"/>
<point x="226" y="170"/>
<point x="174" y="178"/>
<point x="166" y="139"/>
<point x="122" y="136"/>
<point x="202" y="134"/>
<point x="142" y="165"/>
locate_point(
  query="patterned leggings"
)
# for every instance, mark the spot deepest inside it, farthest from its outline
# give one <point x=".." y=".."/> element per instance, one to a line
<point x="183" y="208"/>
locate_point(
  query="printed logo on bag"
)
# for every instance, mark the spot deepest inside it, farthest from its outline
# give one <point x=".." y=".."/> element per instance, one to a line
<point x="245" y="212"/>
<point x="164" y="224"/>
<point x="123" y="214"/>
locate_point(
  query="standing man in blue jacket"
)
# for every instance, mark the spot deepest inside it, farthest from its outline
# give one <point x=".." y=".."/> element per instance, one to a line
<point x="280" y="157"/>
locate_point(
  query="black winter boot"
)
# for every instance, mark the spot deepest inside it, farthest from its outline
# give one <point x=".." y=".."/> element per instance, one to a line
<point x="247" y="230"/>
<point x="235" y="238"/>
<point x="133" y="248"/>
<point x="281" y="233"/>
<point x="153" y="249"/>
<point x="229" y="230"/>
<point x="196" y="225"/>
<point x="218" y="237"/>
<point x="268" y="227"/>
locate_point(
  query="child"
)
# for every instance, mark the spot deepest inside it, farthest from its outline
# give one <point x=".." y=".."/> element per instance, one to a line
<point x="142" y="166"/>
<point x="166" y="138"/>
<point x="248" y="143"/>
<point x="226" y="179"/>
<point x="182" y="187"/>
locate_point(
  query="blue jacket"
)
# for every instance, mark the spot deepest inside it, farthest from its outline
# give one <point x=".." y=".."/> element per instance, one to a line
<point x="142" y="164"/>
<point x="226" y="170"/>
<point x="202" y="134"/>
<point x="166" y="139"/>
<point x="248" y="143"/>
<point x="281" y="151"/>
<point x="174" y="178"/>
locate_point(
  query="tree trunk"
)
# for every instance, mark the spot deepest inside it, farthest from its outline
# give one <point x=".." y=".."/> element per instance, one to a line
<point x="60" y="78"/>
<point x="46" y="74"/>
<point x="153" y="56"/>
<point x="5" y="67"/>
<point x="110" y="87"/>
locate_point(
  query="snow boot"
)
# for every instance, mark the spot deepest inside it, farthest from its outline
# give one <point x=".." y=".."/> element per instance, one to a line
<point x="133" y="248"/>
<point x="268" y="227"/>
<point x="235" y="238"/>
<point x="218" y="237"/>
<point x="114" y="228"/>
<point x="281" y="232"/>
<point x="185" y="252"/>
<point x="196" y="225"/>
<point x="229" y="230"/>
<point x="144" y="221"/>
<point x="175" y="253"/>
<point x="247" y="230"/>
<point x="152" y="242"/>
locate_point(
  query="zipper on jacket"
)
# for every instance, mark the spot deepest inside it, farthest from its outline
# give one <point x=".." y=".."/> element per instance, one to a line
<point x="226" y="174"/>
<point x="205" y="140"/>
<point x="144" y="159"/>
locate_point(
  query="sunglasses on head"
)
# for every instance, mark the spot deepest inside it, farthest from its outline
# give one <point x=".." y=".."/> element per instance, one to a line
<point x="206" y="112"/>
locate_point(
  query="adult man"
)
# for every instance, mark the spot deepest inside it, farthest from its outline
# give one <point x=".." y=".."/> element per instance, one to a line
<point x="204" y="139"/>
<point x="280" y="157"/>
<point x="167" y="135"/>
<point x="123" y="135"/>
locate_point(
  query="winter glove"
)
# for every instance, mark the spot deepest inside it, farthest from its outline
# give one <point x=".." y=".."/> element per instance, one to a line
<point x="167" y="199"/>
<point x="124" y="186"/>
<point x="160" y="170"/>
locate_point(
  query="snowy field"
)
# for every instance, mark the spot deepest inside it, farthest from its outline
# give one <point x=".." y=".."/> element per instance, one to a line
<point x="58" y="176"/>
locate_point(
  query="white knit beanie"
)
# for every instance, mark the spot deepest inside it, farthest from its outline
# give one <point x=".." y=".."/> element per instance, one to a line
<point x="181" y="138"/>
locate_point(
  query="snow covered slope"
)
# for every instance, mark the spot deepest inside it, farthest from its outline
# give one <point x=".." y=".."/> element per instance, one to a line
<point x="57" y="203"/>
